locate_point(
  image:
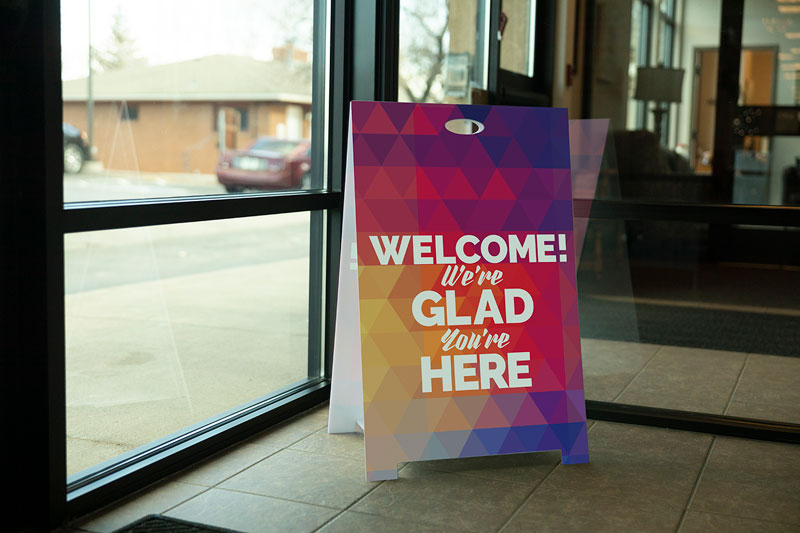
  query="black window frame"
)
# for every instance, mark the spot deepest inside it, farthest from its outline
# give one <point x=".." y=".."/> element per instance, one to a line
<point x="363" y="42"/>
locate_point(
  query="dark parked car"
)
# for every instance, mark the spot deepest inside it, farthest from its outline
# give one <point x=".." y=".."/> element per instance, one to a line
<point x="269" y="163"/>
<point x="76" y="148"/>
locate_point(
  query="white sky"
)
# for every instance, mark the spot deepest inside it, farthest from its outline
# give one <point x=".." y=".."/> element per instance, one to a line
<point x="165" y="31"/>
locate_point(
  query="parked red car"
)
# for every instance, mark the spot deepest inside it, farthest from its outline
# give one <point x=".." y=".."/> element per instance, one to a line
<point x="269" y="163"/>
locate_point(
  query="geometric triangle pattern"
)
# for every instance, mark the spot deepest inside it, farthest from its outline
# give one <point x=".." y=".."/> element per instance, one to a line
<point x="587" y="141"/>
<point x="467" y="290"/>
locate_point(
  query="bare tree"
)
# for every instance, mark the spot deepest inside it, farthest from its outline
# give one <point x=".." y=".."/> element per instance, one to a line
<point x="424" y="56"/>
<point x="120" y="50"/>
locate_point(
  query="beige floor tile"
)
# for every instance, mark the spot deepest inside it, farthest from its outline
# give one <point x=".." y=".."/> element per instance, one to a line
<point x="770" y="379"/>
<point x="751" y="479"/>
<point x="252" y="513"/>
<point x="688" y="379"/>
<point x="558" y="510"/>
<point x="765" y="411"/>
<point x="327" y="480"/>
<point x="224" y="465"/>
<point x="154" y="500"/>
<point x="352" y="522"/>
<point x="699" y="522"/>
<point x="454" y="502"/>
<point x="608" y="366"/>
<point x="637" y="463"/>
<point x="525" y="468"/>
<point x="344" y="444"/>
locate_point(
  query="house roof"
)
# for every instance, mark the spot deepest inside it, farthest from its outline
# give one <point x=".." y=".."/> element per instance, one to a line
<point x="218" y="77"/>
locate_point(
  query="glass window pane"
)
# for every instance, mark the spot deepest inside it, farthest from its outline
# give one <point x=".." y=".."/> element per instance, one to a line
<point x="443" y="50"/>
<point x="665" y="322"/>
<point x="171" y="105"/>
<point x="167" y="326"/>
<point x="517" y="45"/>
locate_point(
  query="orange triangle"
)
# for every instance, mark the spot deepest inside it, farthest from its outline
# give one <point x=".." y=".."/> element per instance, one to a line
<point x="452" y="419"/>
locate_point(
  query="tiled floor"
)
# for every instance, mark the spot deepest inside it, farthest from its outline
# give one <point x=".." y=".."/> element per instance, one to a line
<point x="749" y="385"/>
<point x="297" y="477"/>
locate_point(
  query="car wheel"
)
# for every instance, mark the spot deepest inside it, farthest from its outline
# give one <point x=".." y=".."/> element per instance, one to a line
<point x="73" y="158"/>
<point x="234" y="188"/>
<point x="305" y="181"/>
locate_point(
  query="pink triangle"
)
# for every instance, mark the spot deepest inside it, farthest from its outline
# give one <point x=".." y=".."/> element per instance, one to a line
<point x="362" y="155"/>
<point x="381" y="187"/>
<point x="491" y="416"/>
<point x="441" y="220"/>
<point x="471" y="407"/>
<point x="360" y="111"/>
<point x="477" y="157"/>
<point x="399" y="155"/>
<point x="425" y="189"/>
<point x="546" y="380"/>
<point x="497" y="189"/>
<point x="422" y="125"/>
<point x="379" y="122"/>
<point x="438" y="114"/>
<point x="529" y="414"/>
<point x="459" y="188"/>
<point x="404" y="180"/>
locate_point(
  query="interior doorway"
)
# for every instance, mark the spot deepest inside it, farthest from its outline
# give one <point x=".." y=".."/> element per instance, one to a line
<point x="756" y="88"/>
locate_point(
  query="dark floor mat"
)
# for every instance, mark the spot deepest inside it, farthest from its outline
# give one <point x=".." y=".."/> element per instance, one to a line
<point x="692" y="327"/>
<point x="164" y="524"/>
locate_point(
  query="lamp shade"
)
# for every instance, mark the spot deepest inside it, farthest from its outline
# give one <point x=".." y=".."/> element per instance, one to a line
<point x="659" y="84"/>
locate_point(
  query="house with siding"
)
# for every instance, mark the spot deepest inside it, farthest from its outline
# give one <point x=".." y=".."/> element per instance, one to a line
<point x="178" y="117"/>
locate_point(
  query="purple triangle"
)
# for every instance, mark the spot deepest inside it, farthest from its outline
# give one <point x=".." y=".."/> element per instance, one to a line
<point x="399" y="155"/>
<point x="550" y="440"/>
<point x="398" y="113"/>
<point x="380" y="144"/>
<point x="362" y="153"/>
<point x="530" y="436"/>
<point x="479" y="178"/>
<point x="494" y="124"/>
<point x="457" y="145"/>
<point x="453" y="441"/>
<point x="438" y="155"/>
<point x="534" y="187"/>
<point x="552" y="405"/>
<point x="474" y="155"/>
<point x="360" y="112"/>
<point x="513" y="117"/>
<point x="514" y="157"/>
<point x="516" y="179"/>
<point x="461" y="210"/>
<point x="489" y="214"/>
<point x="473" y="447"/>
<point x="455" y="113"/>
<point x="558" y="217"/>
<point x="518" y="220"/>
<point x="475" y="112"/>
<point x="492" y="438"/>
<point x="420" y="145"/>
<point x="495" y="146"/>
<point x="510" y="404"/>
<point x="437" y="114"/>
<point x="512" y="443"/>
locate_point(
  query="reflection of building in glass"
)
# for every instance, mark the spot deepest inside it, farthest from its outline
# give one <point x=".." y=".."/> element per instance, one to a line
<point x="166" y="118"/>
